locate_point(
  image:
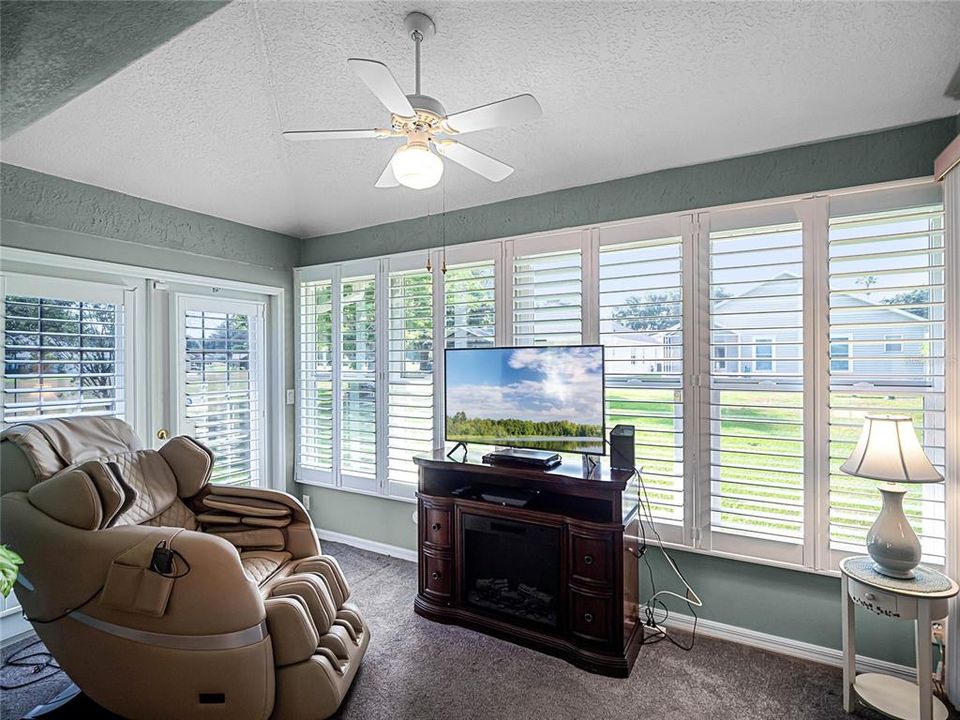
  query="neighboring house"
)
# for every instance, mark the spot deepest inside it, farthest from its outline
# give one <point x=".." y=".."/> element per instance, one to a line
<point x="883" y="346"/>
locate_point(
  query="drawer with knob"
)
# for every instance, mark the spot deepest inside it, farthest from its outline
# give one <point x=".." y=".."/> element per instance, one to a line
<point x="591" y="616"/>
<point x="591" y="557"/>
<point x="436" y="529"/>
<point x="436" y="576"/>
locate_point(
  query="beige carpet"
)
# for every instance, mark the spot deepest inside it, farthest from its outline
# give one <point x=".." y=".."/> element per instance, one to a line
<point x="419" y="670"/>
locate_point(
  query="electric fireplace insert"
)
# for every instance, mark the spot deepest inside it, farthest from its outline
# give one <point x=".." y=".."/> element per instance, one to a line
<point x="512" y="568"/>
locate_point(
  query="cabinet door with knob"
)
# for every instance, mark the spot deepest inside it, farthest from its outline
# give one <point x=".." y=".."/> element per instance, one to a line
<point x="436" y="576"/>
<point x="591" y="616"/>
<point x="436" y="526"/>
<point x="591" y="557"/>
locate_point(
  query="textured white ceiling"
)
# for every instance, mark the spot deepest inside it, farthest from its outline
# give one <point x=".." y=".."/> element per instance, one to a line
<point x="626" y="88"/>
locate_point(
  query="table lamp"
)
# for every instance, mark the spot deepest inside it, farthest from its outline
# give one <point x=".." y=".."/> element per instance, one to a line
<point x="888" y="450"/>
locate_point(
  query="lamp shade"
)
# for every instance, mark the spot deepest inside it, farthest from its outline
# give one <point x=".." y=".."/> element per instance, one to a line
<point x="888" y="450"/>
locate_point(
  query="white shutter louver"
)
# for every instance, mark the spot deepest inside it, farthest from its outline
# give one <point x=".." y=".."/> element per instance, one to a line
<point x="62" y="357"/>
<point x="641" y="327"/>
<point x="886" y="278"/>
<point x="316" y="376"/>
<point x="410" y="386"/>
<point x="221" y="391"/>
<point x="756" y="384"/>
<point x="469" y="305"/>
<point x="358" y="377"/>
<point x="547" y="299"/>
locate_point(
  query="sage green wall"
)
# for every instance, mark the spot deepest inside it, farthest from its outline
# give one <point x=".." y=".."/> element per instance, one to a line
<point x="896" y="154"/>
<point x="55" y="215"/>
<point x="789" y="603"/>
<point x="53" y="50"/>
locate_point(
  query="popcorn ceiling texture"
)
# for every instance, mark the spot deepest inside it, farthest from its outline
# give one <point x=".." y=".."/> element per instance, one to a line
<point x="897" y="154"/>
<point x="53" y="202"/>
<point x="50" y="52"/>
<point x="627" y="88"/>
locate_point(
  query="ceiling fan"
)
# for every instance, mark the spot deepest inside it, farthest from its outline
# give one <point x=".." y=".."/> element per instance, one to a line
<point x="422" y="120"/>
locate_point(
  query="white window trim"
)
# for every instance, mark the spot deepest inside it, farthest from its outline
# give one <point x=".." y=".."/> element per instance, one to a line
<point x="813" y="554"/>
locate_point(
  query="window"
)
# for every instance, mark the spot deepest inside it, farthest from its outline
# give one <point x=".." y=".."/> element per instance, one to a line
<point x="756" y="414"/>
<point x="893" y="344"/>
<point x="315" y="408"/>
<point x="469" y="305"/>
<point x="410" y="368"/>
<point x="358" y="380"/>
<point x="641" y="327"/>
<point x="64" y="350"/>
<point x="744" y="344"/>
<point x="886" y="280"/>
<point x="221" y="386"/>
<point x="763" y="352"/>
<point x="839" y="353"/>
<point x="547" y="299"/>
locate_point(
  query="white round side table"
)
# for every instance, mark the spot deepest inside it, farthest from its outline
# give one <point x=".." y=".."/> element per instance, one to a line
<point x="922" y="598"/>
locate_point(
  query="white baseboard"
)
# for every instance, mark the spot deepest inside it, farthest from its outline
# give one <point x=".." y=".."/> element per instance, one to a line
<point x="786" y="646"/>
<point x="371" y="545"/>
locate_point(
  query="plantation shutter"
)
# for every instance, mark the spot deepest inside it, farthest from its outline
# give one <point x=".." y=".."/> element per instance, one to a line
<point x="64" y="349"/>
<point x="755" y="408"/>
<point x="469" y="305"/>
<point x="886" y="279"/>
<point x="316" y="380"/>
<point x="410" y="375"/>
<point x="221" y="385"/>
<point x="358" y="381"/>
<point x="641" y="327"/>
<point x="547" y="302"/>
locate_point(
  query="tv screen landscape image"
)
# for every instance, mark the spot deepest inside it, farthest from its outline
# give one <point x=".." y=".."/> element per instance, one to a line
<point x="545" y="398"/>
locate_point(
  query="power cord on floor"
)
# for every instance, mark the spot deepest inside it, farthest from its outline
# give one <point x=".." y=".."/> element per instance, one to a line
<point x="43" y="666"/>
<point x="654" y="603"/>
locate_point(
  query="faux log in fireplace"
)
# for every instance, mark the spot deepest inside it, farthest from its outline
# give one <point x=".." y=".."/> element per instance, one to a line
<point x="557" y="575"/>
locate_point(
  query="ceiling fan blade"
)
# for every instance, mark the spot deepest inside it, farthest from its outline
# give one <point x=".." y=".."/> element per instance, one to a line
<point x="474" y="160"/>
<point x="387" y="178"/>
<point x="330" y="134"/>
<point x="381" y="82"/>
<point x="511" y="111"/>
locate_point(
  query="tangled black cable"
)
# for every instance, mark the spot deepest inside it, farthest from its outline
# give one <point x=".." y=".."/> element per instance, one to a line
<point x="39" y="661"/>
<point x="650" y="609"/>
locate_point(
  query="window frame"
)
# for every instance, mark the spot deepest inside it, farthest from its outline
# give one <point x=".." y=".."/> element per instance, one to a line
<point x="813" y="212"/>
<point x="115" y="293"/>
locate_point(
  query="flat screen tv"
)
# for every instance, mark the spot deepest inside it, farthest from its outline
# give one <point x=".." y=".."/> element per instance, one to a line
<point x="543" y="398"/>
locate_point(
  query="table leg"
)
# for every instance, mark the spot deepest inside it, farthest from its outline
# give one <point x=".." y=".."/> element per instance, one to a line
<point x="924" y="660"/>
<point x="848" y="632"/>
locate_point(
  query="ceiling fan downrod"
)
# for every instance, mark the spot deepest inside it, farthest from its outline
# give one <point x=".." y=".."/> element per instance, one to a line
<point x="419" y="27"/>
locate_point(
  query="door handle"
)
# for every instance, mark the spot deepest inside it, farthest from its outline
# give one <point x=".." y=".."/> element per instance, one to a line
<point x="162" y="434"/>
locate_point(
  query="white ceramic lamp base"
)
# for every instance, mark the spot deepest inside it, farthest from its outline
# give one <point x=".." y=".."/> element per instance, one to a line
<point x="891" y="542"/>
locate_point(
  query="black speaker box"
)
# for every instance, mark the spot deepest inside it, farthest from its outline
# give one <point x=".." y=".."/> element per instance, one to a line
<point x="622" y="448"/>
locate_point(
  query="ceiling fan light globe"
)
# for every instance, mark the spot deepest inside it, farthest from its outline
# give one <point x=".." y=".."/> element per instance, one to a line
<point x="416" y="167"/>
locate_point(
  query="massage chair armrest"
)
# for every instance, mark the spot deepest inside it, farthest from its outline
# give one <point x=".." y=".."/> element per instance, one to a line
<point x="64" y="567"/>
<point x="301" y="537"/>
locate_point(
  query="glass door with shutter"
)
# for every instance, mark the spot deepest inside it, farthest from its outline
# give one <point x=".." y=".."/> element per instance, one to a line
<point x="219" y="380"/>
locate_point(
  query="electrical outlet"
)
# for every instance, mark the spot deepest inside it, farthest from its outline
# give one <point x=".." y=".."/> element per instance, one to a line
<point x="291" y="397"/>
<point x="413" y="517"/>
<point x="306" y="501"/>
<point x="936" y="633"/>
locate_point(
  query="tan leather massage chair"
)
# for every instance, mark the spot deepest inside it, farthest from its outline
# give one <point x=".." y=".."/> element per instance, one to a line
<point x="163" y="596"/>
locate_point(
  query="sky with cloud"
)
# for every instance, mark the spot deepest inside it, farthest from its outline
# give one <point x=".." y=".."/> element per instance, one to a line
<point x="537" y="384"/>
